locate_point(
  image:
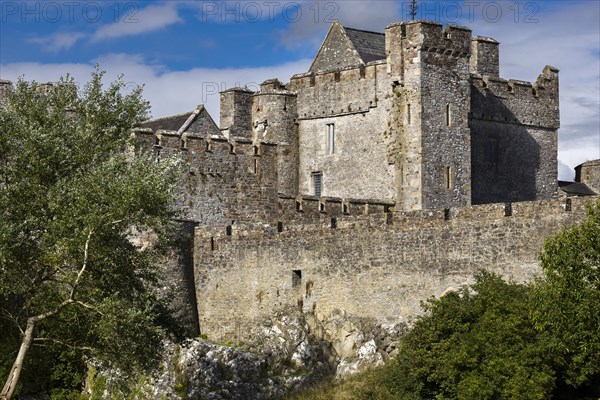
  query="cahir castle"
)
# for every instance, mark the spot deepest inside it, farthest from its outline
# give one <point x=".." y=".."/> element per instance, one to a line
<point x="395" y="168"/>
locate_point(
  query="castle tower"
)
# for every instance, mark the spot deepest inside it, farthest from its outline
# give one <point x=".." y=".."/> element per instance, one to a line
<point x="4" y="85"/>
<point x="485" y="56"/>
<point x="274" y="113"/>
<point x="236" y="110"/>
<point x="589" y="173"/>
<point x="430" y="70"/>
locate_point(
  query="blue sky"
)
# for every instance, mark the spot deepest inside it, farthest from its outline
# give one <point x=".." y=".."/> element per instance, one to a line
<point x="184" y="52"/>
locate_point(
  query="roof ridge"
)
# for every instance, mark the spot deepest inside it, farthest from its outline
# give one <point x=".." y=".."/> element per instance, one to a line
<point x="167" y="117"/>
<point x="363" y="30"/>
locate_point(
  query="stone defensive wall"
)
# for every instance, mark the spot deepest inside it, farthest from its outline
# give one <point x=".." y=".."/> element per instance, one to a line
<point x="341" y="92"/>
<point x="327" y="209"/>
<point x="432" y="37"/>
<point x="223" y="180"/>
<point x="379" y="266"/>
<point x="517" y="102"/>
<point x="514" y="137"/>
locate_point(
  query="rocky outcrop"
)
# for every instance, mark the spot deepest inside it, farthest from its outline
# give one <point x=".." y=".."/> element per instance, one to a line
<point x="290" y="351"/>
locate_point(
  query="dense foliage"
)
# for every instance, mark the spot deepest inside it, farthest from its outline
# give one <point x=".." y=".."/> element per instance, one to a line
<point x="499" y="340"/>
<point x="75" y="280"/>
<point x="569" y="300"/>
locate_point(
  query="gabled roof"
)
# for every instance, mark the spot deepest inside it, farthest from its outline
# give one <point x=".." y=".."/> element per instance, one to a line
<point x="197" y="121"/>
<point x="172" y="123"/>
<point x="576" y="188"/>
<point x="346" y="47"/>
<point x="370" y="45"/>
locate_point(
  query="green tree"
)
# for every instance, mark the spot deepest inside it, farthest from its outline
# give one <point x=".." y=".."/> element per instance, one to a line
<point x="568" y="301"/>
<point x="499" y="340"/>
<point x="73" y="201"/>
<point x="477" y="343"/>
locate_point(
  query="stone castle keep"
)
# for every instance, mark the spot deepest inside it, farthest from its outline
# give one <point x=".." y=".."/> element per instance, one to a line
<point x="394" y="169"/>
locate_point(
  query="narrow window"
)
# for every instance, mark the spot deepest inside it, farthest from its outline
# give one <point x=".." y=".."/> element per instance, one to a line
<point x="448" y="116"/>
<point x="279" y="227"/>
<point x="389" y="218"/>
<point x="317" y="183"/>
<point x="212" y="244"/>
<point x="229" y="230"/>
<point x="321" y="207"/>
<point x="568" y="205"/>
<point x="296" y="278"/>
<point x="448" y="177"/>
<point x="446" y="214"/>
<point x="408" y="115"/>
<point x="298" y="205"/>
<point x="330" y="139"/>
<point x="345" y="208"/>
<point x="507" y="209"/>
<point x="333" y="223"/>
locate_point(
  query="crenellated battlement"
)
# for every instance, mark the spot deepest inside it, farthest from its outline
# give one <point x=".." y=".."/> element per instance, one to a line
<point x="428" y="36"/>
<point x="379" y="265"/>
<point x="517" y="102"/>
<point x="313" y="208"/>
<point x="222" y="179"/>
<point x="377" y="214"/>
<point x="346" y="91"/>
<point x="393" y="170"/>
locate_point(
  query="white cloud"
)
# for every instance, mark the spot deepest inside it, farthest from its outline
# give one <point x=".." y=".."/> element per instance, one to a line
<point x="567" y="38"/>
<point x="58" y="41"/>
<point x="317" y="16"/>
<point x="148" y="19"/>
<point x="565" y="173"/>
<point x="169" y="92"/>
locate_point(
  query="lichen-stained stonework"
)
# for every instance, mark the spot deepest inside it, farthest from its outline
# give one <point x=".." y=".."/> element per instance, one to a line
<point x="379" y="265"/>
<point x="355" y="186"/>
<point x="382" y="176"/>
<point x="589" y="173"/>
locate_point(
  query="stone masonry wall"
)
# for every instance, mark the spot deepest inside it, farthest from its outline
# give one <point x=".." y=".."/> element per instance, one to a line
<point x="358" y="102"/>
<point x="430" y="66"/>
<point x="274" y="120"/>
<point x="335" y="52"/>
<point x="236" y="112"/>
<point x="379" y="265"/>
<point x="444" y="99"/>
<point x="222" y="180"/>
<point x="485" y="56"/>
<point x="514" y="128"/>
<point x="589" y="173"/>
